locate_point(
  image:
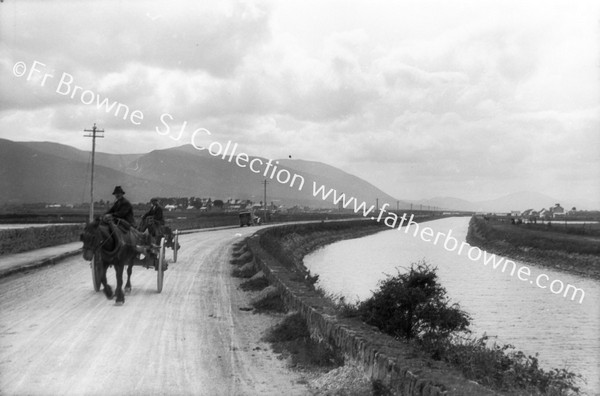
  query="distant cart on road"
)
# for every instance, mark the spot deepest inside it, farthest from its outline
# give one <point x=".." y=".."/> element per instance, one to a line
<point x="248" y="218"/>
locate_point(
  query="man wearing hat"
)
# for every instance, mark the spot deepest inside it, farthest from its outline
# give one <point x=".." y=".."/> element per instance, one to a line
<point x="153" y="219"/>
<point x="122" y="209"/>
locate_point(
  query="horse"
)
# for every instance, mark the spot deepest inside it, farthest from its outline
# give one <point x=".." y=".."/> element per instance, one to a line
<point x="106" y="240"/>
<point x="158" y="230"/>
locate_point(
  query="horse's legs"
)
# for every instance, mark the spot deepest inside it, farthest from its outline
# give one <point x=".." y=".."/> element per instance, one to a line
<point x="129" y="270"/>
<point x="107" y="289"/>
<point x="119" y="291"/>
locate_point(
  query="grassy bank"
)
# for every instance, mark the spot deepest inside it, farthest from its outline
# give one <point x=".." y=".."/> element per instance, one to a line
<point x="25" y="239"/>
<point x="549" y="246"/>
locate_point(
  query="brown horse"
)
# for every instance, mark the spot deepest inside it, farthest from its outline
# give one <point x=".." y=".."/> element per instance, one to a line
<point x="112" y="246"/>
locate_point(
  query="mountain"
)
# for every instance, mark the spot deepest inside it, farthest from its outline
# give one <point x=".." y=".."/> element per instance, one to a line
<point x="516" y="201"/>
<point x="52" y="172"/>
<point x="31" y="175"/>
<point x="114" y="161"/>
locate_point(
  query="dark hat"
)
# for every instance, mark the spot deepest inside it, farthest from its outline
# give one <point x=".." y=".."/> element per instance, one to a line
<point x="154" y="200"/>
<point x="118" y="190"/>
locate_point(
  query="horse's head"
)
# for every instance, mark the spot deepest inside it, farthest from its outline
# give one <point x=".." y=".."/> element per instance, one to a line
<point x="91" y="238"/>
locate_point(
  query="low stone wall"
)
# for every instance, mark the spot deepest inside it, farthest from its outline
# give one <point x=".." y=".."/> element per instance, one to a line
<point x="25" y="239"/>
<point x="401" y="368"/>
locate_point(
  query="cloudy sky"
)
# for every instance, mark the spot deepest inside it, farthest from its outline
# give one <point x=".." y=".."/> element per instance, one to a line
<point x="471" y="99"/>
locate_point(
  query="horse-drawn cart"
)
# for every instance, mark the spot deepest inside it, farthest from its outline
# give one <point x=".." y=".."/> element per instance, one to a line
<point x="148" y="255"/>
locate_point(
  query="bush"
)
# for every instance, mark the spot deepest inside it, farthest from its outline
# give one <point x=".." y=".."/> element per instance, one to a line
<point x="413" y="305"/>
<point x="501" y="367"/>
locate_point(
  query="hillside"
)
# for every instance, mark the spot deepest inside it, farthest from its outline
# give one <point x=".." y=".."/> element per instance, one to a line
<point x="51" y="172"/>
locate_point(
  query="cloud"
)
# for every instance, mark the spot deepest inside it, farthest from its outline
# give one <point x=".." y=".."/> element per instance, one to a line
<point x="411" y="95"/>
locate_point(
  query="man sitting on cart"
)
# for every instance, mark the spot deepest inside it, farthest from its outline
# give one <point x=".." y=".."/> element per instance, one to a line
<point x="153" y="221"/>
<point x="121" y="212"/>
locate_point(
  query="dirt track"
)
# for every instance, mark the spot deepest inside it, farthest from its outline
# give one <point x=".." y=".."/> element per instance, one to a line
<point x="58" y="336"/>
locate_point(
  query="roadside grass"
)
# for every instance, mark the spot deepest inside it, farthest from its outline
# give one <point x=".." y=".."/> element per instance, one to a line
<point x="329" y="374"/>
<point x="271" y="303"/>
<point x="254" y="284"/>
<point x="291" y="338"/>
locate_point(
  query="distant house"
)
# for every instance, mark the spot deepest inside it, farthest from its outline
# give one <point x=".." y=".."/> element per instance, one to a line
<point x="515" y="213"/>
<point x="557" y="211"/>
<point x="170" y="207"/>
<point x="544" y="213"/>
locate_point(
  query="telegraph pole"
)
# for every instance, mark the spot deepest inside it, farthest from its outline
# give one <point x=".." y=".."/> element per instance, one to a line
<point x="265" y="182"/>
<point x="95" y="132"/>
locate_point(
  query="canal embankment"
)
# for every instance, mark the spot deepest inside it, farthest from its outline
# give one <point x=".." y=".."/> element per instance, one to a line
<point x="404" y="369"/>
<point x="575" y="254"/>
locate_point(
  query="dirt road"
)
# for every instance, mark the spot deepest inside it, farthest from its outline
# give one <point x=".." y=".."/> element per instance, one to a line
<point x="59" y="337"/>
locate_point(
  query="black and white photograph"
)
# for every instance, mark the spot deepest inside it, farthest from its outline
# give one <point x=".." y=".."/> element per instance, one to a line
<point x="334" y="197"/>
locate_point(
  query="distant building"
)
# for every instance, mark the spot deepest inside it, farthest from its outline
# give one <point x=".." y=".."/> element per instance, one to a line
<point x="557" y="211"/>
<point x="530" y="214"/>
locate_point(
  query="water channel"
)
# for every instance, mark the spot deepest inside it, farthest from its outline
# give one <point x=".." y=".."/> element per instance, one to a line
<point x="565" y="333"/>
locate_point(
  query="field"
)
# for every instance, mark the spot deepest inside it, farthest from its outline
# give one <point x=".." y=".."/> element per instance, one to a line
<point x="574" y="238"/>
<point x="547" y="245"/>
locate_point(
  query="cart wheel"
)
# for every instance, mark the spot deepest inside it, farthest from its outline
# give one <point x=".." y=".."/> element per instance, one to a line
<point x="175" y="245"/>
<point x="161" y="262"/>
<point x="96" y="272"/>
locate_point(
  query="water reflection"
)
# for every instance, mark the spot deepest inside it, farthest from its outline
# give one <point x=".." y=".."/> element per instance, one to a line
<point x="566" y="334"/>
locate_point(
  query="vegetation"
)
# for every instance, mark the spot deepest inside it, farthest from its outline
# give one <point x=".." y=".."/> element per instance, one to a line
<point x="291" y="337"/>
<point x="24" y="239"/>
<point x="501" y="366"/>
<point x="543" y="237"/>
<point x="413" y="306"/>
<point x="254" y="284"/>
<point x="271" y="303"/>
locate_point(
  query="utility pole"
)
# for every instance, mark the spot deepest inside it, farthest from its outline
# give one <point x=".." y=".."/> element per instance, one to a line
<point x="377" y="203"/>
<point x="95" y="132"/>
<point x="265" y="182"/>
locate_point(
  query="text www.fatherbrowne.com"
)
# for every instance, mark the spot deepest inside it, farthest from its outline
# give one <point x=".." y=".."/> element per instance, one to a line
<point x="451" y="244"/>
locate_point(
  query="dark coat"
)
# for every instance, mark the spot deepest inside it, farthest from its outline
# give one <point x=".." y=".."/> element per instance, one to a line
<point x="122" y="209"/>
<point x="157" y="213"/>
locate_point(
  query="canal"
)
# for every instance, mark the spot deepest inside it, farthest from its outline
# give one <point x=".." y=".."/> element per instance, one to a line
<point x="565" y="333"/>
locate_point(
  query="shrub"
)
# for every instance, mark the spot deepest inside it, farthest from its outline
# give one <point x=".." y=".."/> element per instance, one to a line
<point x="501" y="367"/>
<point x="413" y="304"/>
